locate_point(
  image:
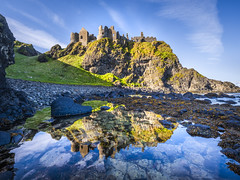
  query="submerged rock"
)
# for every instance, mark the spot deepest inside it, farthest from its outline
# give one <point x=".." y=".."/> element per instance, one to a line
<point x="201" y="130"/>
<point x="5" y="138"/>
<point x="65" y="106"/>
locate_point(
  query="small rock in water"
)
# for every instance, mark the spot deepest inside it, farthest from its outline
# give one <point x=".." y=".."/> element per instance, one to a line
<point x="202" y="130"/>
<point x="103" y="108"/>
<point x="211" y="95"/>
<point x="166" y="124"/>
<point x="5" y="138"/>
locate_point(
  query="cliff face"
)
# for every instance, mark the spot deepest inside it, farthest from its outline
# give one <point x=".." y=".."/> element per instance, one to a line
<point x="6" y="50"/>
<point x="148" y="64"/>
<point x="14" y="105"/>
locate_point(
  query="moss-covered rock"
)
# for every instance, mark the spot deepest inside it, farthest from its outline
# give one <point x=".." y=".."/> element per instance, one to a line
<point x="25" y="49"/>
<point x="147" y="64"/>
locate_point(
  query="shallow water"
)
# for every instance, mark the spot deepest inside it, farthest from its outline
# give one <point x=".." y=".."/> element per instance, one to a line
<point x="120" y="145"/>
<point x="224" y="100"/>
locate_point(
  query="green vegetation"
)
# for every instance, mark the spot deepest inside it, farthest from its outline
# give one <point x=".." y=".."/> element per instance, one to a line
<point x="96" y="105"/>
<point x="17" y="44"/>
<point x="68" y="68"/>
<point x="53" y="71"/>
<point x="39" y="117"/>
<point x="152" y="49"/>
<point x="72" y="60"/>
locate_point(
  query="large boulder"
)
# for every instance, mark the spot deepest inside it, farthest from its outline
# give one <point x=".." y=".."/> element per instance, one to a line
<point x="65" y="106"/>
<point x="42" y="58"/>
<point x="27" y="50"/>
<point x="14" y="105"/>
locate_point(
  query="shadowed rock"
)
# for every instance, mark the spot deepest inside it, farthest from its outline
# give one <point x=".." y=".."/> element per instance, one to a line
<point x="13" y="104"/>
<point x="65" y="106"/>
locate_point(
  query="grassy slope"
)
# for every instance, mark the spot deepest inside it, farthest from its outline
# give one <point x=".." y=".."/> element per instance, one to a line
<point x="28" y="68"/>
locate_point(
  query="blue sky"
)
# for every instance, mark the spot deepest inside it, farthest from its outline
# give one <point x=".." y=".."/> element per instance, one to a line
<point x="204" y="34"/>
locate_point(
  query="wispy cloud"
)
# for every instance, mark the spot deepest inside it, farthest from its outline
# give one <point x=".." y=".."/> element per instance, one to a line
<point x="52" y="15"/>
<point x="116" y="16"/>
<point x="36" y="37"/>
<point x="202" y="18"/>
<point x="27" y="15"/>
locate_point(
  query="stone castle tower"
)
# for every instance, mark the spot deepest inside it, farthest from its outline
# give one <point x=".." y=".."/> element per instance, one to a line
<point x="84" y="37"/>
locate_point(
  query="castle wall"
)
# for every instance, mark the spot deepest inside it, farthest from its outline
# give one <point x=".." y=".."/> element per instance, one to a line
<point x="74" y="37"/>
<point x="142" y="38"/>
<point x="83" y="36"/>
<point x="111" y="33"/>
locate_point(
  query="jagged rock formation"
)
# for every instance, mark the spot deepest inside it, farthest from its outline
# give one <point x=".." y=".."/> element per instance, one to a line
<point x="149" y="64"/>
<point x="72" y="49"/>
<point x="145" y="64"/>
<point x="6" y="51"/>
<point x="13" y="104"/>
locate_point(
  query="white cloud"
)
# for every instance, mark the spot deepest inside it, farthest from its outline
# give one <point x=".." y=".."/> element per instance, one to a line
<point x="57" y="20"/>
<point x="36" y="37"/>
<point x="202" y="18"/>
<point x="117" y="18"/>
<point x="29" y="16"/>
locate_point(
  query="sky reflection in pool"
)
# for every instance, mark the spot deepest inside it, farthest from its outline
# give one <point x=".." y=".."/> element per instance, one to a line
<point x="182" y="156"/>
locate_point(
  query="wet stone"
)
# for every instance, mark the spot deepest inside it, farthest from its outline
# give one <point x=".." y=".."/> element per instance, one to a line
<point x="5" y="138"/>
<point x="201" y="130"/>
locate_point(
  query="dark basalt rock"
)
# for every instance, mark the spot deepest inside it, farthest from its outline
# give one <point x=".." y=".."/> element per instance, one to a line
<point x="27" y="50"/>
<point x="6" y="51"/>
<point x="232" y="153"/>
<point x="5" y="138"/>
<point x="201" y="130"/>
<point x="211" y="95"/>
<point x="167" y="124"/>
<point x="65" y="106"/>
<point x="42" y="58"/>
<point x="189" y="95"/>
<point x="205" y="101"/>
<point x="14" y="105"/>
<point x="103" y="108"/>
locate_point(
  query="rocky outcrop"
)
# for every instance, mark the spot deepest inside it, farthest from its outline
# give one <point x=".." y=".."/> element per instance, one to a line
<point x="13" y="104"/>
<point x="42" y="58"/>
<point x="72" y="49"/>
<point x="6" y="51"/>
<point x="25" y="49"/>
<point x="148" y="64"/>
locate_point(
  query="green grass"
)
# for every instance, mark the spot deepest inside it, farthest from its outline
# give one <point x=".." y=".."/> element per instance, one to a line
<point x="39" y="117"/>
<point x="53" y="71"/>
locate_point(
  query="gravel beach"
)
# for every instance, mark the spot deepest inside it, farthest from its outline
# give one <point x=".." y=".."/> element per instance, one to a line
<point x="42" y="94"/>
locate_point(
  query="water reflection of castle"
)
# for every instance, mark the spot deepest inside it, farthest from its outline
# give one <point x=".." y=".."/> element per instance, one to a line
<point x="110" y="132"/>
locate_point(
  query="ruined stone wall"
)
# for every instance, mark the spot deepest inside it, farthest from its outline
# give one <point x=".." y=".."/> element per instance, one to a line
<point x="83" y="36"/>
<point x="74" y="37"/>
<point x="150" y="39"/>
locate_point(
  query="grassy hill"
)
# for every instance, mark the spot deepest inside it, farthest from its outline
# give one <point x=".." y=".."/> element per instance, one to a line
<point x="53" y="71"/>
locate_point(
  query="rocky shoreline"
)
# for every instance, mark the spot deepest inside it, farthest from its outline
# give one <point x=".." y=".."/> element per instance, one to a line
<point x="203" y="119"/>
<point x="43" y="94"/>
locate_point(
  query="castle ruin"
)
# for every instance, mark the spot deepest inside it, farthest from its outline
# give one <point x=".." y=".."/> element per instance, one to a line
<point x="84" y="37"/>
<point x="142" y="38"/>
